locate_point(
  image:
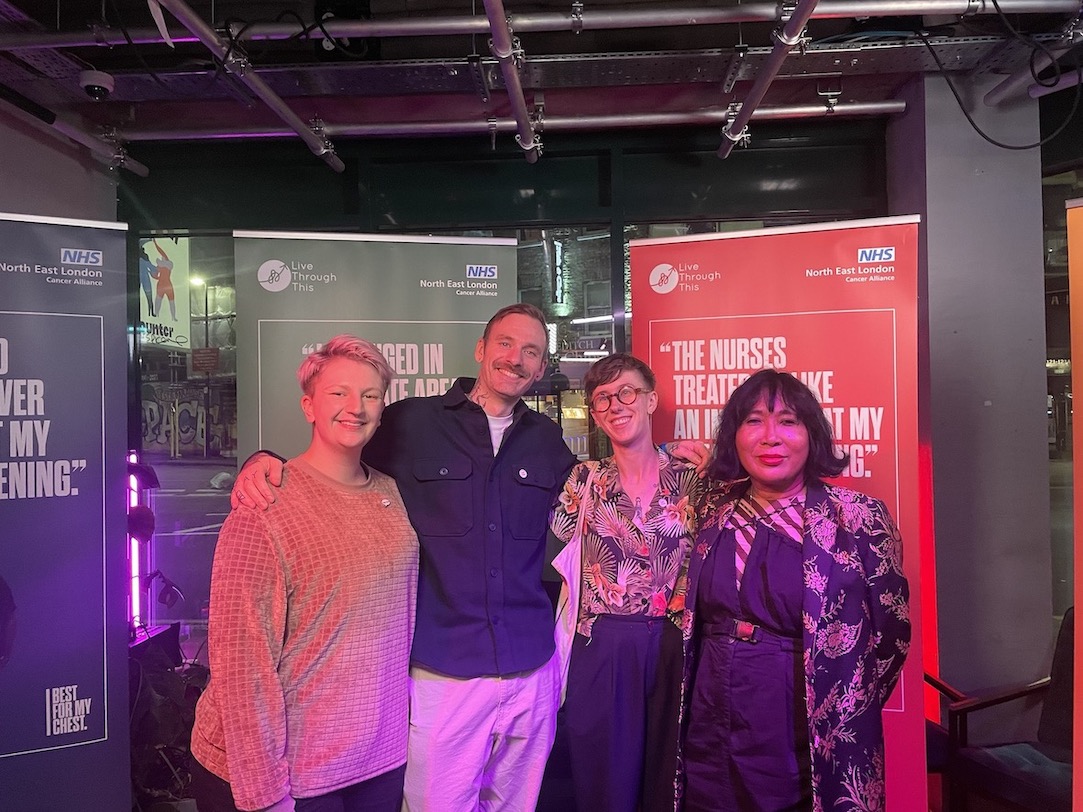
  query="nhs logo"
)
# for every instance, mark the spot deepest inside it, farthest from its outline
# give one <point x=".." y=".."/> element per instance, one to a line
<point x="80" y="256"/>
<point x="481" y="271"/>
<point x="886" y="254"/>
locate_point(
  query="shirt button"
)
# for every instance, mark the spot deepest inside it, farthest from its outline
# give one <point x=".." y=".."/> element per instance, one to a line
<point x="494" y="572"/>
<point x="443" y="472"/>
<point x="522" y="473"/>
<point x="492" y="525"/>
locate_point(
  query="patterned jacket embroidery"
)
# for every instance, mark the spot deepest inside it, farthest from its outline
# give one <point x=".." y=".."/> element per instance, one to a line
<point x="856" y="619"/>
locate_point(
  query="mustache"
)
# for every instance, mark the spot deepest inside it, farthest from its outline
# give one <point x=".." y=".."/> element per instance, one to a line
<point x="518" y="370"/>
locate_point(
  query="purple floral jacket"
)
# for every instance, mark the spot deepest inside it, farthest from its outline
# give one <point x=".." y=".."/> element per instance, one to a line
<point x="856" y="618"/>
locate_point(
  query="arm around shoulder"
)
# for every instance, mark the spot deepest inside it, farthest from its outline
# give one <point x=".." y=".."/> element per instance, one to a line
<point x="259" y="477"/>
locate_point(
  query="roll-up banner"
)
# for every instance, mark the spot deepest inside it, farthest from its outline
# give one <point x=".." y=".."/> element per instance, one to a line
<point x="1075" y="286"/>
<point x="63" y="625"/>
<point x="423" y="300"/>
<point x="837" y="306"/>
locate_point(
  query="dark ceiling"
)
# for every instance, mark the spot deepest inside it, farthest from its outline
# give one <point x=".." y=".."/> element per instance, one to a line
<point x="386" y="68"/>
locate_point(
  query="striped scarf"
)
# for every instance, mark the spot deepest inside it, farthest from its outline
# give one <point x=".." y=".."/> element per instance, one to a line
<point x="784" y="515"/>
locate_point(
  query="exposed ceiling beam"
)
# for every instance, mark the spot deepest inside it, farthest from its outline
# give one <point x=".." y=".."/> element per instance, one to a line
<point x="786" y="37"/>
<point x="590" y="20"/>
<point x="105" y="145"/>
<point x="1014" y="84"/>
<point x="238" y="65"/>
<point x="503" y="48"/>
<point x="553" y="123"/>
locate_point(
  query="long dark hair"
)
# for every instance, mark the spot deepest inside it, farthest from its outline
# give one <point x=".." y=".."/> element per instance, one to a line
<point x="773" y="386"/>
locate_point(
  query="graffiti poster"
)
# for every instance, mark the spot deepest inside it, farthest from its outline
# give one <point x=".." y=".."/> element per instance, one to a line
<point x="164" y="298"/>
<point x="62" y="438"/>
<point x="423" y="300"/>
<point x="836" y="305"/>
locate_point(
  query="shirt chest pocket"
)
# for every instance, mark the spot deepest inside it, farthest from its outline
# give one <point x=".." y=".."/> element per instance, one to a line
<point x="446" y="503"/>
<point x="530" y="495"/>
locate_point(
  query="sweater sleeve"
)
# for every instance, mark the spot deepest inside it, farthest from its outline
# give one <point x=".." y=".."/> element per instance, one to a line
<point x="246" y="631"/>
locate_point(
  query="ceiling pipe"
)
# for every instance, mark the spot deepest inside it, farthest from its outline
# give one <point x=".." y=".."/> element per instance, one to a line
<point x="110" y="149"/>
<point x="566" y="123"/>
<point x="239" y="66"/>
<point x="1022" y="78"/>
<point x="592" y="20"/>
<point x="108" y="146"/>
<point x="503" y="48"/>
<point x="1069" y="79"/>
<point x="787" y="36"/>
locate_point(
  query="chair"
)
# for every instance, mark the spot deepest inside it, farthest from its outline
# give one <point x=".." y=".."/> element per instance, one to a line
<point x="1030" y="775"/>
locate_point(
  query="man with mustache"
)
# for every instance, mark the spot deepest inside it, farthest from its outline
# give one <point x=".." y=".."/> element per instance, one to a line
<point x="478" y="471"/>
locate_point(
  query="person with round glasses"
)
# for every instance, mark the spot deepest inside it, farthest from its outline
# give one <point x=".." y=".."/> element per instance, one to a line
<point x="623" y="684"/>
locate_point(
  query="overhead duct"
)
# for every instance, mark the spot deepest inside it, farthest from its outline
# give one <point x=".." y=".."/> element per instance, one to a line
<point x="503" y="48"/>
<point x="554" y="123"/>
<point x="787" y="36"/>
<point x="240" y="67"/>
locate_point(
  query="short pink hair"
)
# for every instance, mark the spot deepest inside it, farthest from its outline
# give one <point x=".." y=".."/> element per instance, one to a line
<point x="343" y="346"/>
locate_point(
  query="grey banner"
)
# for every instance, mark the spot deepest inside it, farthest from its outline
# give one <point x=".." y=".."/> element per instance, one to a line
<point x="424" y="301"/>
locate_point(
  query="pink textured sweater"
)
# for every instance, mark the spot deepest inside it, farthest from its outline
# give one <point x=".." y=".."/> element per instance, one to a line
<point x="311" y="618"/>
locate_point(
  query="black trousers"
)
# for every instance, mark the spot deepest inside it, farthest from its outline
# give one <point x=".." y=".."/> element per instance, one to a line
<point x="381" y="793"/>
<point x="624" y="687"/>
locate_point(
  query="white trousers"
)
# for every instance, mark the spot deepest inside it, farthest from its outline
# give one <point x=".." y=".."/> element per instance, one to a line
<point x="479" y="744"/>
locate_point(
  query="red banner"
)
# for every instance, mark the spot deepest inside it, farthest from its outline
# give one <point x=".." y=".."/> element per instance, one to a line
<point x="1075" y="285"/>
<point x="836" y="305"/>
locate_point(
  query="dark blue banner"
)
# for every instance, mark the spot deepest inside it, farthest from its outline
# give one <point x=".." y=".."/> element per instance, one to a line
<point x="63" y="625"/>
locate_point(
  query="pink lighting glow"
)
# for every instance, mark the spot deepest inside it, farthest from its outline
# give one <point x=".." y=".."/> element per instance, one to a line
<point x="134" y="564"/>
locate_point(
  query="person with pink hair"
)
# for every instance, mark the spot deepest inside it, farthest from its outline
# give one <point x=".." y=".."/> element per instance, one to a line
<point x="312" y="617"/>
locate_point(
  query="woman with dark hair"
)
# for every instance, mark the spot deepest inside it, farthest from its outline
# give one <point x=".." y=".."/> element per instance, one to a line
<point x="636" y="514"/>
<point x="797" y="619"/>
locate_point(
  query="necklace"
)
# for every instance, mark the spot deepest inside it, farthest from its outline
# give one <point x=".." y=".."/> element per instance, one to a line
<point x="639" y="509"/>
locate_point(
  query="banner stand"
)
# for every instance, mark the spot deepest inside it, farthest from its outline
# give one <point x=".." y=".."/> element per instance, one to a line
<point x="836" y="304"/>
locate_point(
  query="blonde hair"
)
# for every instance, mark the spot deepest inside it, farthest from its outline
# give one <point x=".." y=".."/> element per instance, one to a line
<point x="343" y="346"/>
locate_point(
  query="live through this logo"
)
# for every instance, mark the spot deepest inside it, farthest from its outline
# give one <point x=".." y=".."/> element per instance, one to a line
<point x="274" y="275"/>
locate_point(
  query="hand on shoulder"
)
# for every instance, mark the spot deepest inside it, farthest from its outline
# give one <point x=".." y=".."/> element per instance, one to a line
<point x="257" y="481"/>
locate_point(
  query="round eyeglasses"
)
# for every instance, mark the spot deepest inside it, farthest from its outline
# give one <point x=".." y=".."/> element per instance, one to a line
<point x="627" y="395"/>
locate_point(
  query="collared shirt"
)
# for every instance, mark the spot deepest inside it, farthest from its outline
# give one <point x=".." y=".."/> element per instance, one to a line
<point x="481" y="520"/>
<point x="631" y="558"/>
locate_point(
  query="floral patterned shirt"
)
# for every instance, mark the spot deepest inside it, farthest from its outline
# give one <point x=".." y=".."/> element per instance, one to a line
<point x="633" y="564"/>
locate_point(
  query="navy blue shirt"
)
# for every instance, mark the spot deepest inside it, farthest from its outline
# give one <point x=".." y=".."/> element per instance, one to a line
<point x="482" y="523"/>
